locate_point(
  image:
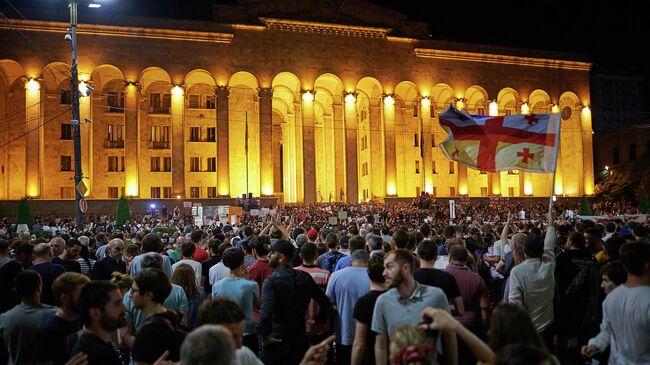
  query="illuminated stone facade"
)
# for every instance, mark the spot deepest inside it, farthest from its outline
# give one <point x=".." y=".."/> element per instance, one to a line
<point x="303" y="110"/>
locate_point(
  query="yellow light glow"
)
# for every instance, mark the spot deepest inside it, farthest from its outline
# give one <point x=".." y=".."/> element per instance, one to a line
<point x="528" y="187"/>
<point x="525" y="109"/>
<point x="350" y="98"/>
<point x="494" y="109"/>
<point x="267" y="190"/>
<point x="426" y="102"/>
<point x="32" y="85"/>
<point x="462" y="190"/>
<point x="132" y="188"/>
<point x="555" y="108"/>
<point x="390" y="189"/>
<point x="224" y="190"/>
<point x="32" y="190"/>
<point x="389" y="100"/>
<point x="307" y="96"/>
<point x="586" y="112"/>
<point x="460" y="103"/>
<point x="177" y="91"/>
<point x="178" y="197"/>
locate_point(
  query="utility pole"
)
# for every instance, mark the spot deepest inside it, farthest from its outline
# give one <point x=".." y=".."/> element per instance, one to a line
<point x="75" y="122"/>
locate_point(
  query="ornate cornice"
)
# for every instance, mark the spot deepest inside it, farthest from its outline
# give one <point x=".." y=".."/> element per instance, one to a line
<point x="119" y="31"/>
<point x="325" y="28"/>
<point x="501" y="59"/>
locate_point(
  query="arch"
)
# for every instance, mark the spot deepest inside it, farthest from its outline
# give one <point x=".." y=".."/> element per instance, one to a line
<point x="153" y="74"/>
<point x="408" y="92"/>
<point x="286" y="86"/>
<point x="243" y="78"/>
<point x="283" y="98"/>
<point x="508" y="99"/>
<point x="441" y="96"/>
<point x="10" y="71"/>
<point x="372" y="89"/>
<point x="539" y="102"/>
<point x="332" y="84"/>
<point x="475" y="98"/>
<point x="103" y="74"/>
<point x="54" y="74"/>
<point x="199" y="76"/>
<point x="569" y="98"/>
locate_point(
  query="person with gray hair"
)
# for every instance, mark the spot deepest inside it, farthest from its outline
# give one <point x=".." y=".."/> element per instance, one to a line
<point x="209" y="344"/>
<point x="375" y="244"/>
<point x="48" y="271"/>
<point x="110" y="263"/>
<point x="344" y="288"/>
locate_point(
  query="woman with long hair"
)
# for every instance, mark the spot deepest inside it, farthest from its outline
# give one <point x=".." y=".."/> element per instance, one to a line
<point x="511" y="325"/>
<point x="184" y="277"/>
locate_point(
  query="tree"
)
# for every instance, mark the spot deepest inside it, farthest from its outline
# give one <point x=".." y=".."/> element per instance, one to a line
<point x="25" y="214"/>
<point x="644" y="204"/>
<point x="584" y="208"/>
<point x="123" y="212"/>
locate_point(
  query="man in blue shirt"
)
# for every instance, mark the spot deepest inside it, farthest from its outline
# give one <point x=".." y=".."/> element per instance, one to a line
<point x="344" y="288"/>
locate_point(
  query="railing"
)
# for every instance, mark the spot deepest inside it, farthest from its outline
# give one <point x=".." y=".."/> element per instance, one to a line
<point x="159" y="110"/>
<point x="114" y="144"/>
<point x="158" y="144"/>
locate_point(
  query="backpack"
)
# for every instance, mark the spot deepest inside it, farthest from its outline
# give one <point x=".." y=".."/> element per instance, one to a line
<point x="171" y="320"/>
<point x="331" y="260"/>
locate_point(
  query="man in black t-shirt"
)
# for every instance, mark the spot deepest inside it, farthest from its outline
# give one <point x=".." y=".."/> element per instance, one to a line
<point x="8" y="271"/>
<point x="428" y="275"/>
<point x="101" y="311"/>
<point x="149" y="290"/>
<point x="364" y="340"/>
<point x="56" y="328"/>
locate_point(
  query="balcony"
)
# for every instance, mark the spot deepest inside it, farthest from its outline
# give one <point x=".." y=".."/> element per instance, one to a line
<point x="114" y="144"/>
<point x="159" y="109"/>
<point x="158" y="145"/>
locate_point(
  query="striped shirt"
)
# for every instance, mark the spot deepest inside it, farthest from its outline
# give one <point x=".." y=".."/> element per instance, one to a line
<point x="321" y="277"/>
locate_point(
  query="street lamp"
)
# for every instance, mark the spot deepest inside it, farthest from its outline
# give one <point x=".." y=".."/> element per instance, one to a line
<point x="76" y="93"/>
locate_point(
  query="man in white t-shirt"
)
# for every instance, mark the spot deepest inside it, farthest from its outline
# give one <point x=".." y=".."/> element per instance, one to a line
<point x="187" y="251"/>
<point x="626" y="310"/>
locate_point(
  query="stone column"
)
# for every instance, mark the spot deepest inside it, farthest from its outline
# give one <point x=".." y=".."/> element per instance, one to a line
<point x="338" y="144"/>
<point x="308" y="147"/>
<point x="389" y="141"/>
<point x="266" y="141"/>
<point x="462" y="188"/>
<point x="178" y="140"/>
<point x="33" y="121"/>
<point x="85" y="112"/>
<point x="131" y="138"/>
<point x="223" y="163"/>
<point x="587" y="151"/>
<point x="494" y="183"/>
<point x="377" y="166"/>
<point x="425" y="139"/>
<point x="351" y="154"/>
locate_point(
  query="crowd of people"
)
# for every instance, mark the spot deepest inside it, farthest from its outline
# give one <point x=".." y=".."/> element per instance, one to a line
<point x="499" y="282"/>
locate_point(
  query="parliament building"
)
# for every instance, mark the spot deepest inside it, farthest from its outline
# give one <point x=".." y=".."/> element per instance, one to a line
<point x="276" y="99"/>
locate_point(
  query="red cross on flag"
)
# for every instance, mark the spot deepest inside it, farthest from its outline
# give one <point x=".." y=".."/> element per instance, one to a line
<point x="526" y="142"/>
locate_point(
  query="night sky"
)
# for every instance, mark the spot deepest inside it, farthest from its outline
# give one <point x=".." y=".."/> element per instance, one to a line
<point x="610" y="36"/>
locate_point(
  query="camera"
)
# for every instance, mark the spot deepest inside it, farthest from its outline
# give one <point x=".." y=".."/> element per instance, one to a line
<point x="68" y="38"/>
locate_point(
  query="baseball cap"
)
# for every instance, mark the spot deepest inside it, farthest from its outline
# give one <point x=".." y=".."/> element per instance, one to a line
<point x="284" y="247"/>
<point x="312" y="234"/>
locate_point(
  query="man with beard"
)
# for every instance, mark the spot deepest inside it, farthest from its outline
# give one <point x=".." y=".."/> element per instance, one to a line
<point x="101" y="312"/>
<point x="403" y="304"/>
<point x="56" y="328"/>
<point x="286" y="295"/>
<point x="110" y="263"/>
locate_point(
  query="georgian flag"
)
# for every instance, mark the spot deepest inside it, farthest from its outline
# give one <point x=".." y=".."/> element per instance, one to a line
<point x="526" y="142"/>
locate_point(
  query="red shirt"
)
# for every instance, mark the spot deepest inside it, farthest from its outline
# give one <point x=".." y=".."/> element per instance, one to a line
<point x="200" y="254"/>
<point x="259" y="271"/>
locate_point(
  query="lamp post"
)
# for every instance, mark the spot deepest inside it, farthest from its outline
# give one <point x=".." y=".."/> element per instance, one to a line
<point x="76" y="130"/>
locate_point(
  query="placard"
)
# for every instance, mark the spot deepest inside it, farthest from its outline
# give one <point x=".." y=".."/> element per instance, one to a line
<point x="343" y="214"/>
<point x="333" y="221"/>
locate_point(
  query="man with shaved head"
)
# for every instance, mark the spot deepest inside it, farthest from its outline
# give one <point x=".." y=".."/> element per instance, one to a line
<point x="112" y="262"/>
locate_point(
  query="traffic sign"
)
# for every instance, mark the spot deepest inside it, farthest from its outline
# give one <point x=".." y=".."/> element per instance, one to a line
<point x="83" y="205"/>
<point x="81" y="188"/>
